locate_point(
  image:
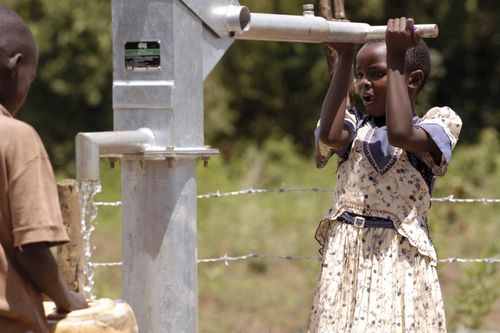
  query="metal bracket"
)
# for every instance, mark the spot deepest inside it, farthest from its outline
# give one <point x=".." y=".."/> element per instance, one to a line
<point x="163" y="153"/>
<point x="223" y="17"/>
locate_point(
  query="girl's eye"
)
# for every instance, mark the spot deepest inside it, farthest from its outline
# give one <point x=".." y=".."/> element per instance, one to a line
<point x="378" y="75"/>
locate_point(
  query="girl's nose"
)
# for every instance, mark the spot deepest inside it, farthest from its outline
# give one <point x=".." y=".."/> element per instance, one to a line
<point x="365" y="82"/>
<point x="362" y="83"/>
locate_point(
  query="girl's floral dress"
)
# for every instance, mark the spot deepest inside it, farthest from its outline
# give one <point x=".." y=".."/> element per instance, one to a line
<point x="382" y="279"/>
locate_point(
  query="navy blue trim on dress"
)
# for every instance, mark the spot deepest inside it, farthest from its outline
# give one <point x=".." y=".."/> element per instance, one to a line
<point x="439" y="136"/>
<point x="381" y="155"/>
<point x="342" y="152"/>
<point x="424" y="170"/>
<point x="376" y="148"/>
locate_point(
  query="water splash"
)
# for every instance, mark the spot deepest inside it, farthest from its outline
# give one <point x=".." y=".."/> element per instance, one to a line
<point x="88" y="212"/>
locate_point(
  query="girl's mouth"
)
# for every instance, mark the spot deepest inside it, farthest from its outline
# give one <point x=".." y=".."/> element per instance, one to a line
<point x="368" y="98"/>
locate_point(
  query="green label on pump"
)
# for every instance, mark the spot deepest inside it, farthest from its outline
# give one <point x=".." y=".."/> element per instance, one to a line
<point x="143" y="55"/>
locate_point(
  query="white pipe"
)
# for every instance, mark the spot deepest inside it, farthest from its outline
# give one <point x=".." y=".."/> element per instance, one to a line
<point x="315" y="29"/>
<point x="90" y="146"/>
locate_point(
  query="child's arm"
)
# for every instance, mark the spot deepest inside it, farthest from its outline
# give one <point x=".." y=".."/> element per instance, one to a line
<point x="331" y="130"/>
<point x="400" y="36"/>
<point x="41" y="269"/>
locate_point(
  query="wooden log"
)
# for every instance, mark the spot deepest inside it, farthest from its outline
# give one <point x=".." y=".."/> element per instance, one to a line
<point x="70" y="256"/>
<point x="324" y="9"/>
<point x="103" y="315"/>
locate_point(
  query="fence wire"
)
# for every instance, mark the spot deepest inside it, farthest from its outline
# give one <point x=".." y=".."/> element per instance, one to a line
<point x="227" y="259"/>
<point x="250" y="191"/>
<point x="450" y="198"/>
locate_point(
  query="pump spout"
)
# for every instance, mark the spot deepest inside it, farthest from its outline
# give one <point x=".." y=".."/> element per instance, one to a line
<point x="90" y="146"/>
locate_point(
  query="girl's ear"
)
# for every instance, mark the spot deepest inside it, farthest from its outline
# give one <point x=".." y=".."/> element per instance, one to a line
<point x="416" y="79"/>
<point x="13" y="63"/>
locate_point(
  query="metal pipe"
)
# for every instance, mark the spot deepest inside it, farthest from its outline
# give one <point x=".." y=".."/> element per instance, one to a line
<point x="235" y="19"/>
<point x="90" y="146"/>
<point x="315" y="29"/>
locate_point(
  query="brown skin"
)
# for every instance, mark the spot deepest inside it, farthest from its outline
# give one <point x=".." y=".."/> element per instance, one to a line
<point x="17" y="74"/>
<point x="371" y="78"/>
<point x="387" y="90"/>
<point x="40" y="267"/>
<point x="402" y="89"/>
<point x="332" y="131"/>
<point x="35" y="260"/>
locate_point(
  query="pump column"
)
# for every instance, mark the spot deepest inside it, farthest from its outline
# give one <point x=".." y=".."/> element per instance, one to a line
<point x="158" y="84"/>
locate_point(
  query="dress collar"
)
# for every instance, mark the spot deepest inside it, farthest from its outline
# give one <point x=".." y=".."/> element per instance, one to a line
<point x="371" y="120"/>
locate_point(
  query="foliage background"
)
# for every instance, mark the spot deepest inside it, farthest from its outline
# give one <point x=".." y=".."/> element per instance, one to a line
<point x="262" y="102"/>
<point x="275" y="89"/>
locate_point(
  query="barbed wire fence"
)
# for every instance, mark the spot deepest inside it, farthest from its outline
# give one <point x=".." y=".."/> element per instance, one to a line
<point x="226" y="259"/>
<point x="450" y="198"/>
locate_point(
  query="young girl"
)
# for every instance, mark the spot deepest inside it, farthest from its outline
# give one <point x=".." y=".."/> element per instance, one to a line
<point x="379" y="264"/>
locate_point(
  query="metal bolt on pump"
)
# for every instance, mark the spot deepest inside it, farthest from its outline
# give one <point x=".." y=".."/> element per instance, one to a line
<point x="308" y="9"/>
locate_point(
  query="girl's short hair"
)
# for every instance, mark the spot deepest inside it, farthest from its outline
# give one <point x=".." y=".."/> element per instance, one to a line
<point x="418" y="58"/>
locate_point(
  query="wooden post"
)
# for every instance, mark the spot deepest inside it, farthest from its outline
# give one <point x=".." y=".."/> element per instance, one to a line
<point x="103" y="315"/>
<point x="324" y="9"/>
<point x="70" y="256"/>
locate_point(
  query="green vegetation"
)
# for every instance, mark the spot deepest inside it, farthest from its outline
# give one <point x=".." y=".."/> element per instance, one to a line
<point x="275" y="89"/>
<point x="470" y="230"/>
<point x="262" y="295"/>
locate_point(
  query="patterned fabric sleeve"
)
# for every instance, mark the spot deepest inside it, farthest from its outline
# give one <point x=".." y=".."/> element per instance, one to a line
<point x="443" y="125"/>
<point x="324" y="152"/>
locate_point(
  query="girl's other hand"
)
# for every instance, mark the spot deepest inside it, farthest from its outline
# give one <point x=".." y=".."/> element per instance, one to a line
<point x="401" y="34"/>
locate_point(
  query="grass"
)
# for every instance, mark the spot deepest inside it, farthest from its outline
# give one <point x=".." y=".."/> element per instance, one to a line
<point x="265" y="295"/>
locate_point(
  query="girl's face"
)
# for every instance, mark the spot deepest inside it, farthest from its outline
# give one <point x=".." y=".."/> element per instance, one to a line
<point x="371" y="77"/>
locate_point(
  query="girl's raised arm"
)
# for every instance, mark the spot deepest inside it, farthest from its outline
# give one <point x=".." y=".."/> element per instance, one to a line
<point x="332" y="131"/>
<point x="402" y="88"/>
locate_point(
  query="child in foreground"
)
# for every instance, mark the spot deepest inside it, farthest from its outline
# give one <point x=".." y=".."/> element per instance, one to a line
<point x="30" y="217"/>
<point x="379" y="264"/>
